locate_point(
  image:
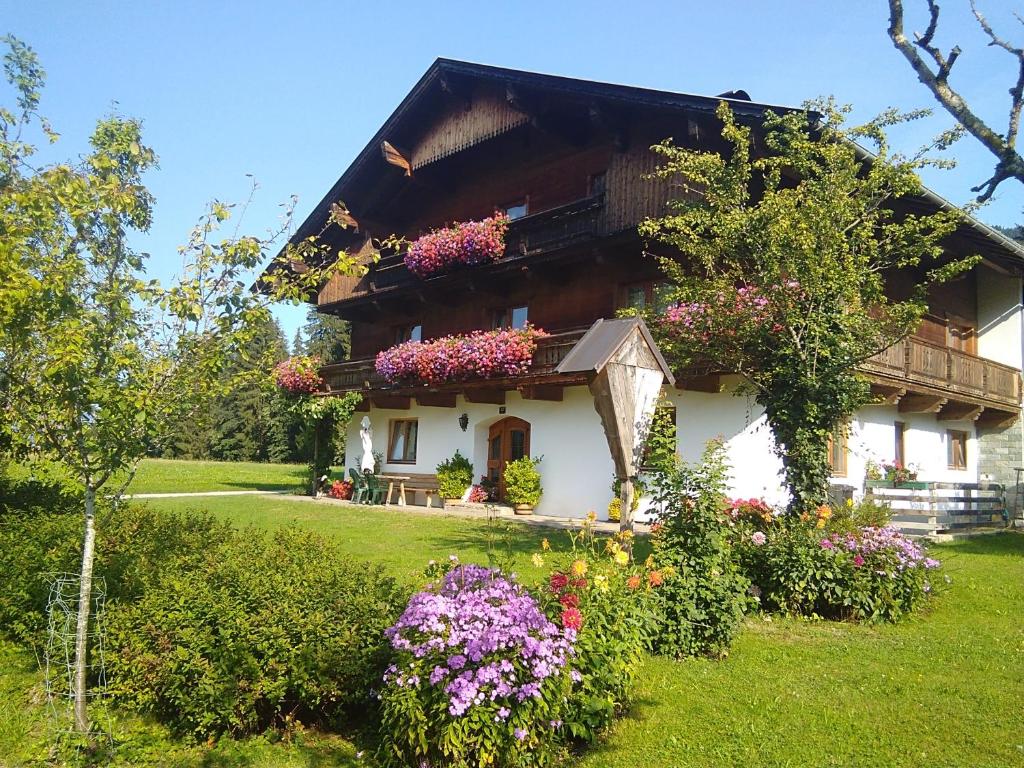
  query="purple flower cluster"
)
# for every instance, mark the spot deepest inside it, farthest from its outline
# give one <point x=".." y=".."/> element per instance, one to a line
<point x="471" y="242"/>
<point x="483" y="638"/>
<point x="299" y="375"/>
<point x="481" y="354"/>
<point x="882" y="546"/>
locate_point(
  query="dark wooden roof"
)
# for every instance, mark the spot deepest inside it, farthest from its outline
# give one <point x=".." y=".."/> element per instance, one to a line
<point x="600" y="343"/>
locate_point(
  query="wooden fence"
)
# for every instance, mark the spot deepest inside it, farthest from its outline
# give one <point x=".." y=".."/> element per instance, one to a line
<point x="922" y="509"/>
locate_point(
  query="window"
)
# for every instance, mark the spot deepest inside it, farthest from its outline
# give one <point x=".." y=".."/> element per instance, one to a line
<point x="402" y="441"/>
<point x="956" y="444"/>
<point x="837" y="451"/>
<point x="641" y="295"/>
<point x="899" y="452"/>
<point x="510" y="317"/>
<point x="408" y="333"/>
<point x="518" y="209"/>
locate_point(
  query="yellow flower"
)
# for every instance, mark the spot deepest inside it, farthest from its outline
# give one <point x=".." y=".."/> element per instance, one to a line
<point x="622" y="557"/>
<point x="538" y="561"/>
<point x="578" y="568"/>
<point x="601" y="583"/>
<point x="545" y="545"/>
<point x="649" y="562"/>
<point x="591" y="515"/>
<point x="625" y="535"/>
<point x="611" y="546"/>
<point x="849" y="503"/>
<point x="820" y="523"/>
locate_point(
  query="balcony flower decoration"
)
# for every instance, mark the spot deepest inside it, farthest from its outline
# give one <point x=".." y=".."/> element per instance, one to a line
<point x="735" y="322"/>
<point x="897" y="474"/>
<point x="299" y="375"/>
<point x="477" y="355"/>
<point x="467" y="243"/>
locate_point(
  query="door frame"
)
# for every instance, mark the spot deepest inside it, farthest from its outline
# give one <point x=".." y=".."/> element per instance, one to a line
<point x="503" y="429"/>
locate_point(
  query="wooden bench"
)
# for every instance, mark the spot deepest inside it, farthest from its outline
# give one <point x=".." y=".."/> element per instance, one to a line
<point x="423" y="483"/>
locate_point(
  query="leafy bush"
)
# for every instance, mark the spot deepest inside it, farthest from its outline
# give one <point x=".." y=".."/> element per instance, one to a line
<point x="134" y="546"/>
<point x="598" y="591"/>
<point x="852" y="516"/>
<point x="479" y="676"/>
<point x="870" y="573"/>
<point x="522" y="481"/>
<point x="704" y="596"/>
<point x="258" y="630"/>
<point x="38" y="486"/>
<point x="454" y="476"/>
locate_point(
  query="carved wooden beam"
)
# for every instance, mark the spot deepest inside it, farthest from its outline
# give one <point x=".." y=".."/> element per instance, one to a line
<point x="887" y="395"/>
<point x="457" y="89"/>
<point x="992" y="419"/>
<point x="960" y="412"/>
<point x="395" y="157"/>
<point x="437" y="399"/>
<point x="921" y="403"/>
<point x="611" y="123"/>
<point x="489" y="396"/>
<point x="394" y="402"/>
<point x="364" y="405"/>
<point x="710" y="383"/>
<point x="550" y="392"/>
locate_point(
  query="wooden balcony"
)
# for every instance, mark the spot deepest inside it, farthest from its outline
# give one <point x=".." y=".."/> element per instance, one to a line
<point x="545" y="231"/>
<point x="361" y="375"/>
<point x="955" y="380"/>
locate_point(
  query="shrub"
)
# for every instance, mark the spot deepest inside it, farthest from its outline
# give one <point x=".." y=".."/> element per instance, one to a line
<point x="702" y="603"/>
<point x="522" y="481"/>
<point x="852" y="516"/>
<point x="259" y="630"/>
<point x="608" y="599"/>
<point x="871" y="573"/>
<point x="479" y="676"/>
<point x="38" y="486"/>
<point x="454" y="476"/>
<point x="467" y="243"/>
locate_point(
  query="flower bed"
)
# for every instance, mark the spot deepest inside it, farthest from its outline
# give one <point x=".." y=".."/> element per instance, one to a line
<point x="482" y="354"/>
<point x="479" y="675"/>
<point x="299" y="375"/>
<point x="468" y="243"/>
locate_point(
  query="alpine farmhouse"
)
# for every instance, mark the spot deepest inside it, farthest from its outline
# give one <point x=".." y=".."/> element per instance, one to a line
<point x="566" y="161"/>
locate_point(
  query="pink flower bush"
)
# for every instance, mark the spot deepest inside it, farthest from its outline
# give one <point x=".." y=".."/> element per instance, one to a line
<point x="468" y="243"/>
<point x="477" y="494"/>
<point x="478" y="355"/>
<point x="299" y="375"/>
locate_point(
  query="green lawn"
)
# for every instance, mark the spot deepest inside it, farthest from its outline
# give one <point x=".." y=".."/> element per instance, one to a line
<point x="945" y="689"/>
<point x="177" y="476"/>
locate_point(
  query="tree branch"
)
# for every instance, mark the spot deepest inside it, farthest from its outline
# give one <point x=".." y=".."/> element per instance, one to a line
<point x="1010" y="164"/>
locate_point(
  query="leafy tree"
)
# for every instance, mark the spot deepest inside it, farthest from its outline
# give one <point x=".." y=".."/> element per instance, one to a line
<point x="97" y="361"/>
<point x="777" y="270"/>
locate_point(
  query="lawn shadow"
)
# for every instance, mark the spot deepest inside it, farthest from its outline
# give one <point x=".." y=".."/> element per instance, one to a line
<point x="319" y="754"/>
<point x="1007" y="543"/>
<point x="256" y="485"/>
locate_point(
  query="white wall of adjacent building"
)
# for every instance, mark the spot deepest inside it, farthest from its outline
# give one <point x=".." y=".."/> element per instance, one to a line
<point x="999" y="317"/>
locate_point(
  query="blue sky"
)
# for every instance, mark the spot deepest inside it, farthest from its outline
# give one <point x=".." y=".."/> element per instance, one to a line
<point x="290" y="92"/>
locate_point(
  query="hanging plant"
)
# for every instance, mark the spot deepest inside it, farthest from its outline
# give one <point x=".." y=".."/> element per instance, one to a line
<point x="477" y="355"/>
<point x="299" y="375"/>
<point x="467" y="243"/>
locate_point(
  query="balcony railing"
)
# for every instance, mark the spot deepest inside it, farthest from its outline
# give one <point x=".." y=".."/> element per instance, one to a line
<point x="548" y="230"/>
<point x="918" y="362"/>
<point x="360" y="374"/>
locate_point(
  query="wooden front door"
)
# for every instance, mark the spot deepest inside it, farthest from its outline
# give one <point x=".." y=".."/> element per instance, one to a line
<point x="508" y="440"/>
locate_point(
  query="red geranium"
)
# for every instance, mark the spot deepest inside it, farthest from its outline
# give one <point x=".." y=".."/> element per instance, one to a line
<point x="569" y="600"/>
<point x="579" y="583"/>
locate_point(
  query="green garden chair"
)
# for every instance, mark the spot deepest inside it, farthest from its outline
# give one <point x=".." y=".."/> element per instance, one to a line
<point x="359" y="486"/>
<point x="374" y="489"/>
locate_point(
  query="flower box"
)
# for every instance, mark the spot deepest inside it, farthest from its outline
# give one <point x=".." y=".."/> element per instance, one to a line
<point x="477" y="355"/>
<point x="467" y="243"/>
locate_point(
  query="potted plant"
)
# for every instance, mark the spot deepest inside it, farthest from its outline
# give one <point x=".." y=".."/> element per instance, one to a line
<point x="454" y="476"/>
<point x="897" y="474"/>
<point x="522" y="484"/>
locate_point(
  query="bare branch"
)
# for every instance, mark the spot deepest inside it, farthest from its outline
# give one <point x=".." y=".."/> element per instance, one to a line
<point x="1010" y="164"/>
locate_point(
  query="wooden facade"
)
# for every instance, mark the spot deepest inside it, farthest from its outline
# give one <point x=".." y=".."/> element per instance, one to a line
<point x="577" y="156"/>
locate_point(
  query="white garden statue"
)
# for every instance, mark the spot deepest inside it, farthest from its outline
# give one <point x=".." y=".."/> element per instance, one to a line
<point x="366" y="436"/>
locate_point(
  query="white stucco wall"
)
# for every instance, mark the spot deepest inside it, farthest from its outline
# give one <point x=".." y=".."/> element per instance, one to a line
<point x="576" y="473"/>
<point x="999" y="317"/>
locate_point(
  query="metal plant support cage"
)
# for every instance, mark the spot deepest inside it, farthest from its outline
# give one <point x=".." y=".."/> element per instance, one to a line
<point x="62" y="613"/>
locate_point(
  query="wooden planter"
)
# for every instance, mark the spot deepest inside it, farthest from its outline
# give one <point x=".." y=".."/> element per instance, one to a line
<point x="523" y="509"/>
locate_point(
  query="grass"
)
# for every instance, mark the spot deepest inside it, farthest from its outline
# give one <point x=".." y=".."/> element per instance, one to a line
<point x="943" y="689"/>
<point x="177" y="476"/>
